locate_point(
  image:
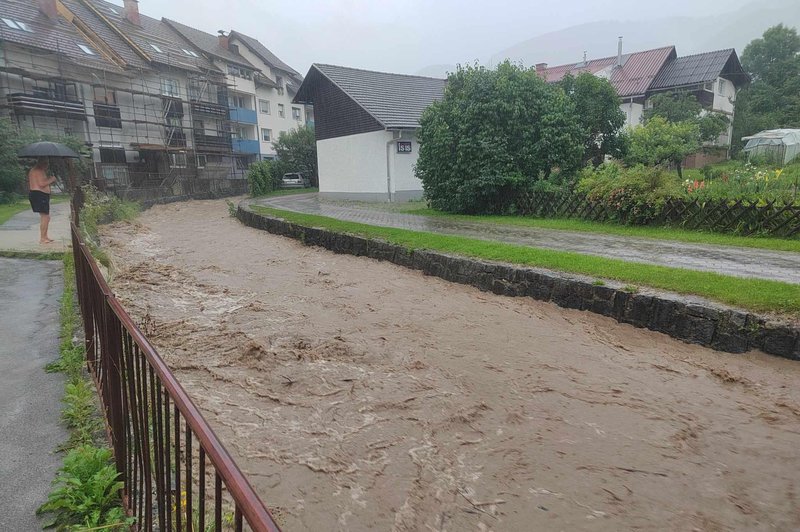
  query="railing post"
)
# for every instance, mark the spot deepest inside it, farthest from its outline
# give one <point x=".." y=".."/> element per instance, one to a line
<point x="112" y="368"/>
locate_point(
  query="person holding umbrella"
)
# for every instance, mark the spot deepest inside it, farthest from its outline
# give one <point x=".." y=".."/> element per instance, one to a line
<point x="39" y="182"/>
<point x="39" y="195"/>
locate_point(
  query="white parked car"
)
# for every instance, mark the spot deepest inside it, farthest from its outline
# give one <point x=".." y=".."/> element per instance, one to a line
<point x="295" y="180"/>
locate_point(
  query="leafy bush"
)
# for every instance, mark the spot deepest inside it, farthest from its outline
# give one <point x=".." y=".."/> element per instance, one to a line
<point x="260" y="177"/>
<point x="635" y="195"/>
<point x="660" y="142"/>
<point x="86" y="494"/>
<point x="735" y="180"/>
<point x="493" y="134"/>
<point x="100" y="208"/>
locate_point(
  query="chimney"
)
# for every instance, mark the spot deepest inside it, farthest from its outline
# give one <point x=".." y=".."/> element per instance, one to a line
<point x="619" y="52"/>
<point x="541" y="67"/>
<point x="49" y="8"/>
<point x="131" y="10"/>
<point x="224" y="40"/>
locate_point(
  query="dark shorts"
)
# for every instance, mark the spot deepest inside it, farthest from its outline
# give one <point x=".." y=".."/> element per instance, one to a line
<point x="40" y="201"/>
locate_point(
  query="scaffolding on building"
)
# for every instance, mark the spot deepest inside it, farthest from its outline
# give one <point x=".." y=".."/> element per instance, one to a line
<point x="148" y="134"/>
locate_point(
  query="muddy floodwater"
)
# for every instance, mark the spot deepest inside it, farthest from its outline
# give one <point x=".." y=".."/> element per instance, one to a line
<point x="358" y="395"/>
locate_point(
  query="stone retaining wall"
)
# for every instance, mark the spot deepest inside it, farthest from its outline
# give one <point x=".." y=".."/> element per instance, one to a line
<point x="697" y="322"/>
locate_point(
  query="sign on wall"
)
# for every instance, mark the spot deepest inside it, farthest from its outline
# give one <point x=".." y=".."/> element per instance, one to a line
<point x="404" y="146"/>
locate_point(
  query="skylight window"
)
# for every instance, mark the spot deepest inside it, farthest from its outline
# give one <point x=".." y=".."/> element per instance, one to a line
<point x="156" y="48"/>
<point x="17" y="25"/>
<point x="189" y="52"/>
<point x="85" y="49"/>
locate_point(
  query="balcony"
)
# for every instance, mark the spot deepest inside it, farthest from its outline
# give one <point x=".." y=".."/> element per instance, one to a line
<point x="245" y="146"/>
<point x="28" y="104"/>
<point x="210" y="109"/>
<point x="244" y="116"/>
<point x="212" y="143"/>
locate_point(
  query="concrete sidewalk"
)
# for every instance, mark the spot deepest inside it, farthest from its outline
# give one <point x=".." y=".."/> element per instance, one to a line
<point x="21" y="232"/>
<point x="740" y="262"/>
<point x="30" y="427"/>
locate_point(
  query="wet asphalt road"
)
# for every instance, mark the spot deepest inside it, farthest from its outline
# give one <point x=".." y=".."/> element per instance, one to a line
<point x="30" y="428"/>
<point x="739" y="262"/>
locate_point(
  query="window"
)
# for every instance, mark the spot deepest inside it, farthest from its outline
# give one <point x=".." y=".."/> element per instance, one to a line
<point x="170" y="87"/>
<point x="266" y="135"/>
<point x="112" y="155"/>
<point x="156" y="48"/>
<point x="199" y="125"/>
<point x="721" y="87"/>
<point x="297" y="114"/>
<point x="177" y="160"/>
<point x="264" y="105"/>
<point x="202" y="161"/>
<point x="17" y="25"/>
<point x="85" y="49"/>
<point x="281" y="111"/>
<point x="241" y="72"/>
<point x="189" y="52"/>
<point x="242" y="102"/>
<point x="106" y="96"/>
<point x="234" y="48"/>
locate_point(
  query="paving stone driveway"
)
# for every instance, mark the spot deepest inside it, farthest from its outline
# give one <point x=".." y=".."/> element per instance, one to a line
<point x="740" y="262"/>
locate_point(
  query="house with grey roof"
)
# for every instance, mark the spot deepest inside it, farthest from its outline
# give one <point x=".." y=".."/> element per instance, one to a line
<point x="366" y="128"/>
<point x="714" y="78"/>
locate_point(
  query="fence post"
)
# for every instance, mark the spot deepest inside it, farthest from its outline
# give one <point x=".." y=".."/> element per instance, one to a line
<point x="112" y="367"/>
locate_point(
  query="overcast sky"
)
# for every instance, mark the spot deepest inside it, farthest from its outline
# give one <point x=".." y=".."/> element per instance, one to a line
<point x="407" y="35"/>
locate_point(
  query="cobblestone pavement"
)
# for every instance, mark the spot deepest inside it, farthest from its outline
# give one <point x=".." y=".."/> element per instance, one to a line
<point x="728" y="260"/>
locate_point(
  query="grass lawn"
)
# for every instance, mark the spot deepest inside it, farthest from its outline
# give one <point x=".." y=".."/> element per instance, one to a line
<point x="752" y="294"/>
<point x="7" y="210"/>
<point x="288" y="192"/>
<point x="659" y="233"/>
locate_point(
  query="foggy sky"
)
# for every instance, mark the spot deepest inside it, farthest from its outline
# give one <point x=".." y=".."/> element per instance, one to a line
<point x="406" y="35"/>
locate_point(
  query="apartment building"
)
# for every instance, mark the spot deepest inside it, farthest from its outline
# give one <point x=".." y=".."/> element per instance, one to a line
<point x="157" y="102"/>
<point x="276" y="85"/>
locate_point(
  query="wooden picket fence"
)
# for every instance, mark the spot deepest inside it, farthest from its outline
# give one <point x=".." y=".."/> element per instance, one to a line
<point x="742" y="217"/>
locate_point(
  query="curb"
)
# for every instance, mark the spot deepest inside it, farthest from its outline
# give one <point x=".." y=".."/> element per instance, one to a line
<point x="696" y="322"/>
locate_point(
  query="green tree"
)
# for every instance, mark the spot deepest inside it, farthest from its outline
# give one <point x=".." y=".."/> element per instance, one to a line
<point x="297" y="151"/>
<point x="597" y="105"/>
<point x="773" y="98"/>
<point x="11" y="171"/>
<point x="660" y="142"/>
<point x="494" y="133"/>
<point x="683" y="107"/>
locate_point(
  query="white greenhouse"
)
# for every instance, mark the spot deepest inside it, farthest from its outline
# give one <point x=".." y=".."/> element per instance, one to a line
<point x="778" y="146"/>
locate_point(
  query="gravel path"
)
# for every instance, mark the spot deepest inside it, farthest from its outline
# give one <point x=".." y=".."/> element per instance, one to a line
<point x="30" y="428"/>
<point x="358" y="395"/>
<point x="740" y="262"/>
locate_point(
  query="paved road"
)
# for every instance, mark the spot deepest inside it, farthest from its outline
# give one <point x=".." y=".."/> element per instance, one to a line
<point x="21" y="231"/>
<point x="740" y="262"/>
<point x="30" y="428"/>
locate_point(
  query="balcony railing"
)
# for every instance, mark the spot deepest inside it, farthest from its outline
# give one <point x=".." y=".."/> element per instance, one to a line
<point x="217" y="143"/>
<point x="28" y="104"/>
<point x="245" y="146"/>
<point x="245" y="116"/>
<point x="211" y="109"/>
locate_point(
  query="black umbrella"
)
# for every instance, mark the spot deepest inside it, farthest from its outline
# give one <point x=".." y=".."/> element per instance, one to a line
<point x="47" y="149"/>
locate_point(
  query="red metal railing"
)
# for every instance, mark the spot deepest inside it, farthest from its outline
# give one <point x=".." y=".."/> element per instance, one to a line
<point x="172" y="464"/>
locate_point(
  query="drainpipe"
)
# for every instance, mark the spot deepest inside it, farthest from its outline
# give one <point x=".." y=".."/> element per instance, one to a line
<point x="395" y="136"/>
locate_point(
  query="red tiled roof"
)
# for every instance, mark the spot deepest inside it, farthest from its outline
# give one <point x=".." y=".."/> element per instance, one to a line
<point x="632" y="79"/>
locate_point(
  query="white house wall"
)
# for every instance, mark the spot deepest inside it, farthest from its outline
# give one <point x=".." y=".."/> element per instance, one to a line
<point x="633" y="113"/>
<point x="355" y="167"/>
